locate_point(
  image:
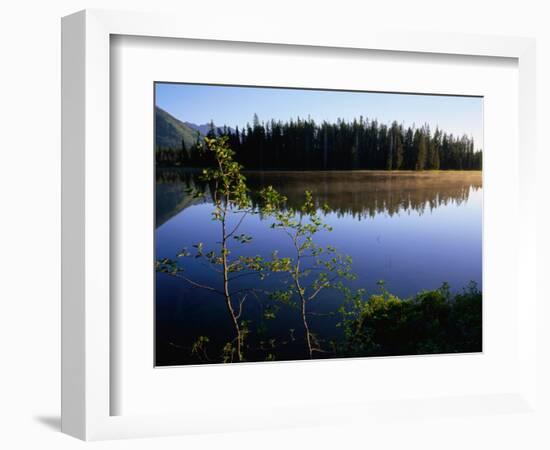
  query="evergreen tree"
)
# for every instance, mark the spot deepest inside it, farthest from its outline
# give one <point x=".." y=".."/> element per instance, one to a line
<point x="422" y="151"/>
<point x="302" y="144"/>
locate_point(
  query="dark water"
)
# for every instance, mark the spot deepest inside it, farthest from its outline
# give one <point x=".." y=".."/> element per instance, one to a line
<point x="412" y="230"/>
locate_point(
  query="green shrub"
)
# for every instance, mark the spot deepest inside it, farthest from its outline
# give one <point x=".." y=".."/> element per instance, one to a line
<point x="431" y="322"/>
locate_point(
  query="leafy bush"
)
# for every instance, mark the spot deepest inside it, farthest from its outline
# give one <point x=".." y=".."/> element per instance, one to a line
<point x="431" y="322"/>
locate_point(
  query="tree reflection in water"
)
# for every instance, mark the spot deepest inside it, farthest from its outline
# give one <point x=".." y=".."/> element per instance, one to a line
<point x="360" y="194"/>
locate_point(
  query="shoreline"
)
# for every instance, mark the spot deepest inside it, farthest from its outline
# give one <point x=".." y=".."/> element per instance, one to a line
<point x="335" y="171"/>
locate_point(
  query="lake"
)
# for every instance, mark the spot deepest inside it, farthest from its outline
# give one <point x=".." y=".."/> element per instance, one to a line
<point x="412" y="230"/>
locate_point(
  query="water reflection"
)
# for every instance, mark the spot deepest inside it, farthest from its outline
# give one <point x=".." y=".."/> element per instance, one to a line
<point x="355" y="194"/>
<point x="412" y="230"/>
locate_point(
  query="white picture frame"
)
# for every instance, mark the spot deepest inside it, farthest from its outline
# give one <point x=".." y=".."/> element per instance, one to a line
<point x="86" y="220"/>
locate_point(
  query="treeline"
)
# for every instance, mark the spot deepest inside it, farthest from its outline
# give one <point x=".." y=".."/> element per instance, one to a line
<point x="360" y="144"/>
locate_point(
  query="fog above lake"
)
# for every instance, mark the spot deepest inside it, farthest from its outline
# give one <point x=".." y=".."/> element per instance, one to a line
<point x="359" y="194"/>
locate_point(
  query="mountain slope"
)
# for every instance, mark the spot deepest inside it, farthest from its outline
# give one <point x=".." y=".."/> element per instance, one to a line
<point x="205" y="128"/>
<point x="169" y="131"/>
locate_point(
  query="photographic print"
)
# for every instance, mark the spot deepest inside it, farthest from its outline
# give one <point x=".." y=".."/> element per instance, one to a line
<point x="297" y="224"/>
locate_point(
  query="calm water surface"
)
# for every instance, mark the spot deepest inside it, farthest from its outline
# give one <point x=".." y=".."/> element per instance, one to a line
<point x="412" y="230"/>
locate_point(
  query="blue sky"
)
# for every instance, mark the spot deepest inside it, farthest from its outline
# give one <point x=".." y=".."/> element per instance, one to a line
<point x="235" y="106"/>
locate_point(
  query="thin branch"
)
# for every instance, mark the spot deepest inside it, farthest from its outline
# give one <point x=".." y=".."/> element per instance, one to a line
<point x="238" y="291"/>
<point x="319" y="289"/>
<point x="238" y="225"/>
<point x="210" y="266"/>
<point x="324" y="285"/>
<point x="319" y="350"/>
<point x="194" y="283"/>
<point x="255" y="272"/>
<point x="241" y="302"/>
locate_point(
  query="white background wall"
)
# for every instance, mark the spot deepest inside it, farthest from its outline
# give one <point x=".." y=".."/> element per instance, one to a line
<point x="30" y="199"/>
